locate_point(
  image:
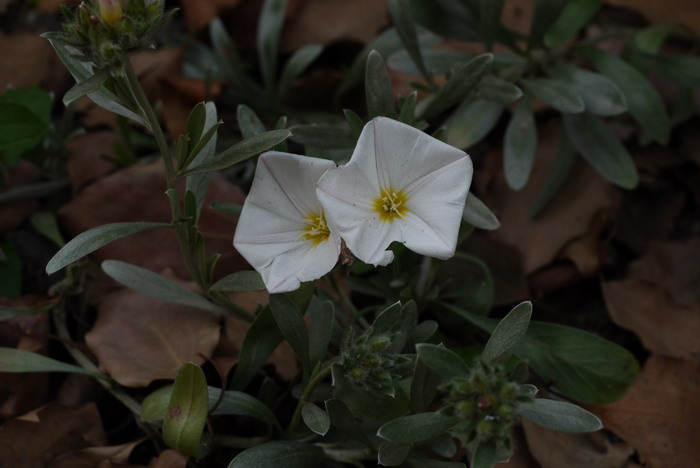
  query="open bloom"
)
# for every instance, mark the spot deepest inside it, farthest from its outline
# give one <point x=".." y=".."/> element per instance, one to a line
<point x="400" y="185"/>
<point x="282" y="231"/>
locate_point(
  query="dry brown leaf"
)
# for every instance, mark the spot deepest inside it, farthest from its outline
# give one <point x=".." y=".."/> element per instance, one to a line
<point x="13" y="213"/>
<point x="566" y="218"/>
<point x="25" y="444"/>
<point x="199" y="13"/>
<point x="138" y="339"/>
<point x="85" y="161"/>
<point x="326" y="21"/>
<point x="136" y="194"/>
<point x="28" y="60"/>
<point x="553" y="449"/>
<point x="660" y="416"/>
<point x="93" y="457"/>
<point x="522" y="458"/>
<point x="169" y="459"/>
<point x="584" y="252"/>
<point x="665" y="11"/>
<point x="645" y="308"/>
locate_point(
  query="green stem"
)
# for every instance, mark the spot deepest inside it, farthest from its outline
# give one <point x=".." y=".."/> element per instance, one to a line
<point x="315" y="380"/>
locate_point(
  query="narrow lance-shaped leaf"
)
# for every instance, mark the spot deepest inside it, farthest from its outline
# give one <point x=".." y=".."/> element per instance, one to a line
<point x="556" y="93"/>
<point x="279" y="454"/>
<point x="601" y="148"/>
<point x="89" y="241"/>
<point x="248" y="121"/>
<point x="463" y="80"/>
<point x="401" y="15"/>
<point x="510" y="330"/>
<point x="291" y="324"/>
<point x="576" y="14"/>
<point x="498" y="90"/>
<point x="478" y="214"/>
<point x="559" y="416"/>
<point x="416" y="427"/>
<point x="380" y="96"/>
<point x="20" y="361"/>
<point x="484" y="455"/>
<point x="322" y="320"/>
<point x="240" y="281"/>
<point x="262" y="338"/>
<point x="643" y="101"/>
<point x="187" y="411"/>
<point x="203" y="153"/>
<point x="490" y="19"/>
<point x="315" y="418"/>
<point x="520" y="145"/>
<point x="86" y="87"/>
<point x="600" y="95"/>
<point x="269" y="31"/>
<point x="296" y="65"/>
<point x="241" y="151"/>
<point x="471" y="122"/>
<point x="154" y="285"/>
<point x="443" y="361"/>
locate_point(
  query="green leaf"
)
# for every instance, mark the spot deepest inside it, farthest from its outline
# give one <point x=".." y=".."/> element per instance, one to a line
<point x="563" y="162"/>
<point x="20" y="361"/>
<point x="269" y="31"/>
<point x="600" y="147"/>
<point x="239" y="281"/>
<point x="91" y="240"/>
<point x="46" y="224"/>
<point x="478" y="214"/>
<point x="401" y="15"/>
<point x="459" y="84"/>
<point x="581" y="365"/>
<point x="444" y="446"/>
<point x="297" y="63"/>
<point x="315" y="418"/>
<point x="81" y="71"/>
<point x="643" y="101"/>
<point x="248" y="122"/>
<point x="424" y="385"/>
<point x="559" y="416"/>
<point x="368" y="405"/>
<point x="556" y="93"/>
<point x="380" y="96"/>
<point x="343" y="419"/>
<point x="85" y="87"/>
<point x="576" y="14"/>
<point x="155" y="406"/>
<point x="484" y="455"/>
<point x="508" y="333"/>
<point x="322" y="315"/>
<point x="241" y="404"/>
<point x="262" y="338"/>
<point x="291" y="323"/>
<point x="279" y="454"/>
<point x="520" y="144"/>
<point x="442" y="360"/>
<point x="600" y="95"/>
<point x="437" y="61"/>
<point x="241" y="151"/>
<point x="154" y="285"/>
<point x="650" y="39"/>
<point x="408" y="109"/>
<point x="203" y="153"/>
<point x="455" y="20"/>
<point x="490" y="18"/>
<point x="187" y="411"/>
<point x="471" y="122"/>
<point x="416" y="427"/>
<point x="24" y="120"/>
<point x="321" y="136"/>
<point x="498" y="90"/>
<point x="392" y="453"/>
<point x="683" y="69"/>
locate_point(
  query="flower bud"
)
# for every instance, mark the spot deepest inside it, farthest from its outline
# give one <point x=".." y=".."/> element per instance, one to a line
<point x="111" y="11"/>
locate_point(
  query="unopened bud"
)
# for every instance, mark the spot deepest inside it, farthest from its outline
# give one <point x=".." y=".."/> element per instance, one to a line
<point x="111" y="11"/>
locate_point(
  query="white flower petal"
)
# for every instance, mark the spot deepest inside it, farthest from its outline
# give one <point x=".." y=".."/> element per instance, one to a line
<point x="270" y="230"/>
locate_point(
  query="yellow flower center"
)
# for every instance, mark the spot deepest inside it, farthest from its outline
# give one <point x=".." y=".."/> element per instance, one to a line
<point x="390" y="204"/>
<point x="316" y="229"/>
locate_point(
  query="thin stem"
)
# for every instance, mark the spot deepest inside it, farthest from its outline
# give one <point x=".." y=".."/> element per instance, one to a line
<point x="315" y="380"/>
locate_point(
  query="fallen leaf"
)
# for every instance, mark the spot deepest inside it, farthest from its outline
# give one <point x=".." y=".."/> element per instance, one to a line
<point x="138" y="339"/>
<point x="323" y="22"/>
<point x="28" y="60"/>
<point x="585" y="252"/>
<point x="96" y="457"/>
<point x="85" y="161"/>
<point x="645" y="308"/>
<point x="522" y="458"/>
<point x="553" y="449"/>
<point x="566" y="218"/>
<point x="14" y="212"/>
<point x="169" y="459"/>
<point x="660" y="416"/>
<point x="199" y="13"/>
<point x="136" y="194"/>
<point x="664" y="11"/>
<point x="26" y="444"/>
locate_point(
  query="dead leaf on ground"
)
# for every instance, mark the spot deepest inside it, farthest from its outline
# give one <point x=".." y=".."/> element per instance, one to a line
<point x="136" y="194"/>
<point x="660" y="416"/>
<point x="97" y="457"/>
<point x="566" y="218"/>
<point x="553" y="449"/>
<point x="522" y="458"/>
<point x="28" y="60"/>
<point x="14" y="212"/>
<point x="85" y="161"/>
<point x="323" y="22"/>
<point x="26" y="444"/>
<point x="645" y="308"/>
<point x="169" y="459"/>
<point x="665" y="11"/>
<point x="199" y="13"/>
<point x="138" y="339"/>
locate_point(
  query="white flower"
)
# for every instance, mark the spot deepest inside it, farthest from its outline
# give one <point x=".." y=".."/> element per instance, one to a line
<point x="400" y="185"/>
<point x="282" y="230"/>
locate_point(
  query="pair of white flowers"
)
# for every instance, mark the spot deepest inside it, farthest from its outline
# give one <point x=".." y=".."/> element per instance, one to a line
<point x="399" y="185"/>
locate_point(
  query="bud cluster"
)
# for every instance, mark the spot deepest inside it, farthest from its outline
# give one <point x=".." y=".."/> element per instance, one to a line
<point x="367" y="364"/>
<point x="103" y="30"/>
<point x="485" y="403"/>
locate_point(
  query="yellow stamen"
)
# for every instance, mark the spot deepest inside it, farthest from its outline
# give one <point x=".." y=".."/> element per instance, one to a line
<point x="316" y="230"/>
<point x="391" y="204"/>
